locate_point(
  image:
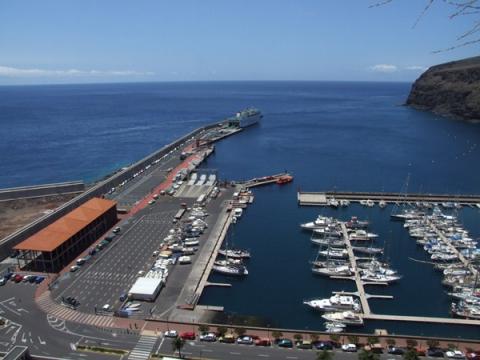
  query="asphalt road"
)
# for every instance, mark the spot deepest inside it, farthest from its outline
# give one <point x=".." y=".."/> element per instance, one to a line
<point x="46" y="336"/>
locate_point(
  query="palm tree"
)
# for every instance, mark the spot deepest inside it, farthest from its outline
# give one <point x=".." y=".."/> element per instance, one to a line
<point x="277" y="334"/>
<point x="391" y="342"/>
<point x="410" y="354"/>
<point x="203" y="328"/>
<point x="432" y="343"/>
<point x="353" y="339"/>
<point x="177" y="345"/>
<point x="325" y="355"/>
<point x="368" y="355"/>
<point x="298" y="337"/>
<point x="240" y="331"/>
<point x="221" y="330"/>
<point x="411" y="343"/>
<point x="335" y="337"/>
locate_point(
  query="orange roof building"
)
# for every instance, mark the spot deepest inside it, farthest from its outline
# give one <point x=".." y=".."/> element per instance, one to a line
<point x="68" y="236"/>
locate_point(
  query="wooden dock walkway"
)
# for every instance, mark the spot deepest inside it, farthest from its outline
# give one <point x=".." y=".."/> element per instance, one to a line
<point x="358" y="281"/>
<point x="321" y="198"/>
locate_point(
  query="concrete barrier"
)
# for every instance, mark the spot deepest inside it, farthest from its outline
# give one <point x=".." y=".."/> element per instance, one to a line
<point x="28" y="192"/>
<point x="97" y="190"/>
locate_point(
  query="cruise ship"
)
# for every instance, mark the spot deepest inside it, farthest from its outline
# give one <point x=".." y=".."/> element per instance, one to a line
<point x="246" y="118"/>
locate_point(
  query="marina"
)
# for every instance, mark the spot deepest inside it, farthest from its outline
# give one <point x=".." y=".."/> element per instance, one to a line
<point x="417" y="221"/>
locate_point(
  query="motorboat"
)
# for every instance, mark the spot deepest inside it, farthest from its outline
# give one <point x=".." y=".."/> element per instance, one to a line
<point x="231" y="269"/>
<point x="382" y="204"/>
<point x="361" y="235"/>
<point x="334" y="253"/>
<point x="344" y="317"/>
<point x="367" y="250"/>
<point x="342" y="270"/>
<point x="235" y="254"/>
<point x="374" y="277"/>
<point x="319" y="223"/>
<point x="335" y="303"/>
<point x="354" y="223"/>
<point x="327" y="241"/>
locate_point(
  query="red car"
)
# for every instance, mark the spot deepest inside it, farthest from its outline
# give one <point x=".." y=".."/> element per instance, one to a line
<point x="474" y="355"/>
<point x="263" y="342"/>
<point x="188" y="335"/>
<point x="18" y="278"/>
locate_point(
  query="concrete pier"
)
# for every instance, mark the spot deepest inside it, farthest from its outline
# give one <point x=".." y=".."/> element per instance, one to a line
<point x="321" y="198"/>
<point x="353" y="263"/>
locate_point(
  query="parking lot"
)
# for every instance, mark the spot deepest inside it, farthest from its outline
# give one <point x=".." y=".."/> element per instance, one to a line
<point x="113" y="271"/>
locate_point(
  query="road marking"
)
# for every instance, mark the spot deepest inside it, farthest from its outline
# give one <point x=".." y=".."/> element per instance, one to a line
<point x="73" y="347"/>
<point x="42" y="342"/>
<point x="263" y="355"/>
<point x="235" y="353"/>
<point x="292" y="357"/>
<point x="24" y="339"/>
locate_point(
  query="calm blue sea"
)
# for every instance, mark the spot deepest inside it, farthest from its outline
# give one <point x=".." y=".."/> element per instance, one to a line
<point x="330" y="135"/>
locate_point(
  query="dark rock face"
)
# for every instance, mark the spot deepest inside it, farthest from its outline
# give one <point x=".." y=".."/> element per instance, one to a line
<point x="450" y="89"/>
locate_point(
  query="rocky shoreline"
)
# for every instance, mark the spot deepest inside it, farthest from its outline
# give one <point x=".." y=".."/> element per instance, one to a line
<point x="451" y="89"/>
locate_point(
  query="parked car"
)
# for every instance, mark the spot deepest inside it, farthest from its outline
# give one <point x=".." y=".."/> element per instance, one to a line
<point x="245" y="340"/>
<point x="8" y="275"/>
<point x="123" y="297"/>
<point x="39" y="279"/>
<point x="32" y="279"/>
<point x="395" y="350"/>
<point x="26" y="278"/>
<point x="263" y="342"/>
<point x="116" y="230"/>
<point x="285" y="343"/>
<point x="74" y="268"/>
<point x="304" y="344"/>
<point x="208" y="337"/>
<point x="323" y="345"/>
<point x="227" y="338"/>
<point x="435" y="352"/>
<point x="171" y="333"/>
<point x="349" y="347"/>
<point x="3" y="281"/>
<point x="455" y="354"/>
<point x="188" y="335"/>
<point x="81" y="261"/>
<point x="473" y="355"/>
<point x="17" y="278"/>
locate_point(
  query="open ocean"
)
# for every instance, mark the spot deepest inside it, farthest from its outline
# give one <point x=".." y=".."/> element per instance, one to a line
<point x="330" y="135"/>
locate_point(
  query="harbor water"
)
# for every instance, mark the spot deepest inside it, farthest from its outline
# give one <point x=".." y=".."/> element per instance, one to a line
<point x="329" y="135"/>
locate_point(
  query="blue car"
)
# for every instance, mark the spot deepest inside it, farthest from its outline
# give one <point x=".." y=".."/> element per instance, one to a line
<point x="39" y="279"/>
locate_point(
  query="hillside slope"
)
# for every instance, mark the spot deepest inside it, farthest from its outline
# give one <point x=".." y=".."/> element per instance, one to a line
<point x="450" y="89"/>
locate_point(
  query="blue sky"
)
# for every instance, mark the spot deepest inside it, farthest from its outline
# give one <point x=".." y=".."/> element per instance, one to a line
<point x="67" y="41"/>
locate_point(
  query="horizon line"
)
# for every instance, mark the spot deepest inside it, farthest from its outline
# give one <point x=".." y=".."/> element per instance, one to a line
<point x="198" y="81"/>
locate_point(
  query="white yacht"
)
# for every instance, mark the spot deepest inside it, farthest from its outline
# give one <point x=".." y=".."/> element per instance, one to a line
<point x="344" y="317"/>
<point x="361" y="235"/>
<point x="335" y="303"/>
<point x="234" y="270"/>
<point x="341" y="270"/>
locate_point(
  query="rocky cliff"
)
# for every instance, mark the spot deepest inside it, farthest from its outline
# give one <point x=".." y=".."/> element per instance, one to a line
<point x="450" y="89"/>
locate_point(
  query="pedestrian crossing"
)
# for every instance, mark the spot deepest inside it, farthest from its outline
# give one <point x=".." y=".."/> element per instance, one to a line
<point x="144" y="347"/>
<point x="52" y="308"/>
